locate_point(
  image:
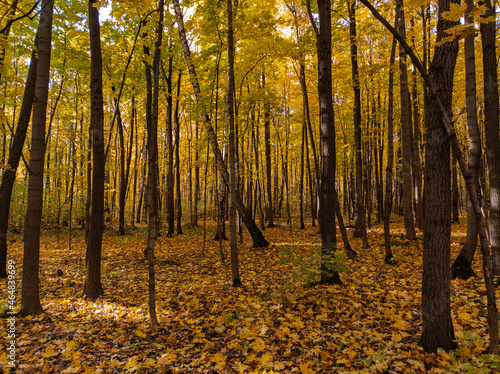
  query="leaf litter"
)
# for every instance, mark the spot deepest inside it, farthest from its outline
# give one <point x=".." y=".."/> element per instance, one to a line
<point x="276" y="323"/>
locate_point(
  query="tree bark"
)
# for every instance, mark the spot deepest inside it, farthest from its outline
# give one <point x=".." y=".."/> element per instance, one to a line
<point x="30" y="295"/>
<point x="93" y="288"/>
<point x="327" y="193"/>
<point x="492" y="129"/>
<point x="390" y="158"/>
<point x="233" y="241"/>
<point x="360" y="222"/>
<point x="406" y="129"/>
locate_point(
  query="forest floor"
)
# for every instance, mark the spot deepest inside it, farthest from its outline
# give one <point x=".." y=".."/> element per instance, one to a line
<point x="275" y="323"/>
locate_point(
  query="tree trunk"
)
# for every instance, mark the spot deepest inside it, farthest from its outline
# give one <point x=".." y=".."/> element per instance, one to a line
<point x="152" y="144"/>
<point x="256" y="234"/>
<point x="406" y="130"/>
<point x="15" y="153"/>
<point x="360" y="223"/>
<point x="177" y="157"/>
<point x="30" y="296"/>
<point x="390" y="158"/>
<point x="462" y="267"/>
<point x="267" y="141"/>
<point x="235" y="269"/>
<point x="492" y="129"/>
<point x="327" y="198"/>
<point x="93" y="288"/>
<point x="437" y="326"/>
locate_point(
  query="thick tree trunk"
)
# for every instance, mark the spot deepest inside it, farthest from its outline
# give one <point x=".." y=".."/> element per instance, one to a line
<point x="437" y="326"/>
<point x="258" y="239"/>
<point x="30" y="296"/>
<point x="15" y="153"/>
<point x="93" y="288"/>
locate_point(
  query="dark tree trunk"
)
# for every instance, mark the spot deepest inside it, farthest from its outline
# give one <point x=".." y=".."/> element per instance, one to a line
<point x="462" y="267"/>
<point x="235" y="269"/>
<point x="360" y="223"/>
<point x="30" y="295"/>
<point x="492" y="129"/>
<point x="390" y="158"/>
<point x="437" y="326"/>
<point x="327" y="193"/>
<point x="177" y="157"/>
<point x="267" y="141"/>
<point x="15" y="153"/>
<point x="93" y="288"/>
<point x="406" y="129"/>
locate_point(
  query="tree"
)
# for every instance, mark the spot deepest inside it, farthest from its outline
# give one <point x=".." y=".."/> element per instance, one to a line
<point x="93" y="288"/>
<point x="15" y="153"/>
<point x="326" y="212"/>
<point x="462" y="267"/>
<point x="152" y="146"/>
<point x="360" y="223"/>
<point x="406" y="129"/>
<point x="492" y="127"/>
<point x="390" y="157"/>
<point x="235" y="269"/>
<point x="30" y="297"/>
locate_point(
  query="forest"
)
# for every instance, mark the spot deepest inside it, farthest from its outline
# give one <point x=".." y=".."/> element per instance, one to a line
<point x="268" y="186"/>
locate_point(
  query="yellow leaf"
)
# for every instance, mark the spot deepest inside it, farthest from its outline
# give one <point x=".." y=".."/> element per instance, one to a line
<point x="167" y="358"/>
<point x="219" y="359"/>
<point x="304" y="368"/>
<point x="140" y="334"/>
<point x="241" y="368"/>
<point x="49" y="353"/>
<point x="266" y="357"/>
<point x="259" y="345"/>
<point x="455" y="13"/>
<point x="464" y="316"/>
<point x="71" y="370"/>
<point x="400" y="324"/>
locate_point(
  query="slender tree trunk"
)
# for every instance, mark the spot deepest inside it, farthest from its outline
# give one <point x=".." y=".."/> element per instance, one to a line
<point x="301" y="182"/>
<point x="360" y="223"/>
<point x="390" y="158"/>
<point x="152" y="144"/>
<point x="454" y="189"/>
<point x="406" y="129"/>
<point x="416" y="162"/>
<point x="258" y="239"/>
<point x="30" y="296"/>
<point x="93" y="288"/>
<point x="462" y="267"/>
<point x="15" y="153"/>
<point x="235" y="269"/>
<point x="177" y="157"/>
<point x="267" y="141"/>
<point x="492" y="129"/>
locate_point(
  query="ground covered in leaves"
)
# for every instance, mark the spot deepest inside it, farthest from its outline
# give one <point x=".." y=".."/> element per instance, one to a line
<point x="276" y="323"/>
